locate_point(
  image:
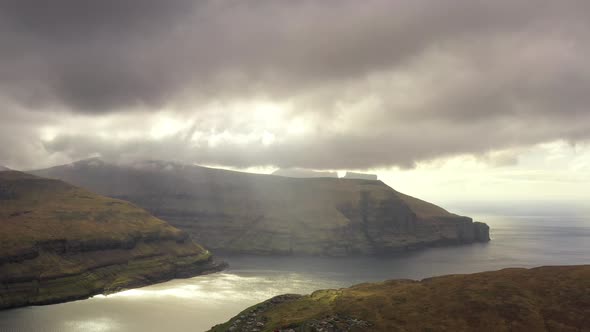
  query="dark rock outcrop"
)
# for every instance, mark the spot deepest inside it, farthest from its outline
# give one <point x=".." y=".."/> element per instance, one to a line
<point x="262" y="214"/>
<point x="481" y="232"/>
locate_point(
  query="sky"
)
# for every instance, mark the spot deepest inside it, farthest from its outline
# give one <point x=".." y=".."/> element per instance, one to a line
<point x="447" y="100"/>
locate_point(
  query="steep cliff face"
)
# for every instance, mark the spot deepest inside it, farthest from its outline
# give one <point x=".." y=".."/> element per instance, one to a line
<point x="539" y="299"/>
<point x="60" y="243"/>
<point x="263" y="214"/>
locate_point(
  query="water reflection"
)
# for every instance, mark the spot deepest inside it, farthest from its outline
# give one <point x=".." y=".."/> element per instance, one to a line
<point x="217" y="287"/>
<point x="103" y="324"/>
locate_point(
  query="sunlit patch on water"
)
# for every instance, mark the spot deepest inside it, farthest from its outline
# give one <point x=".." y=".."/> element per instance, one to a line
<point x="102" y="324"/>
<point x="217" y="287"/>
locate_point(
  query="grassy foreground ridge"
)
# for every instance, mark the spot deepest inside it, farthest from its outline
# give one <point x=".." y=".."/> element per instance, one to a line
<point x="516" y="299"/>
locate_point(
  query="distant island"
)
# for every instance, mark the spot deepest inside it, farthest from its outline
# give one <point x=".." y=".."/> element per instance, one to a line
<point x="539" y="299"/>
<point x="235" y="212"/>
<point x="60" y="243"/>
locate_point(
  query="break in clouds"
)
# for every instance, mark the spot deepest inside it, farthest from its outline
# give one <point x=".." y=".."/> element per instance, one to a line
<point x="312" y="84"/>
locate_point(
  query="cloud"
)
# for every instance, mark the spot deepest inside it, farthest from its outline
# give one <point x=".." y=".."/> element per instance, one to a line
<point x="313" y="84"/>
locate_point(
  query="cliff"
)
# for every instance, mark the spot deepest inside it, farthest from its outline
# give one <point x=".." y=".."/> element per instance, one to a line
<point x="60" y="243"/>
<point x="263" y="214"/>
<point x="539" y="299"/>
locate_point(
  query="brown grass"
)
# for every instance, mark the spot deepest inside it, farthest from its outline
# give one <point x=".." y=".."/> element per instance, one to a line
<point x="539" y="299"/>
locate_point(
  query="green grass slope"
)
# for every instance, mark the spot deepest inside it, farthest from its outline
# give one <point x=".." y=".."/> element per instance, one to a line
<point x="59" y="242"/>
<point x="540" y="299"/>
<point x="265" y="214"/>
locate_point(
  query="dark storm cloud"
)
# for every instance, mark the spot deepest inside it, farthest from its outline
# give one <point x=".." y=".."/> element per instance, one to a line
<point x="439" y="77"/>
<point x="88" y="56"/>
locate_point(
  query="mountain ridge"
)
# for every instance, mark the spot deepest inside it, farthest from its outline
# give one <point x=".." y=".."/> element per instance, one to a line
<point x="303" y="173"/>
<point x="60" y="243"/>
<point x="239" y="212"/>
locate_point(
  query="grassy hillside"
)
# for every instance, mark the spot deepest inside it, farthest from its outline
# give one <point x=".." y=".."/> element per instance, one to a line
<point x="539" y="299"/>
<point x="60" y="242"/>
<point x="265" y="214"/>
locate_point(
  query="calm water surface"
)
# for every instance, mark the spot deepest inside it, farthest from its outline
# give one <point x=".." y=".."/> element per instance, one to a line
<point x="198" y="303"/>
